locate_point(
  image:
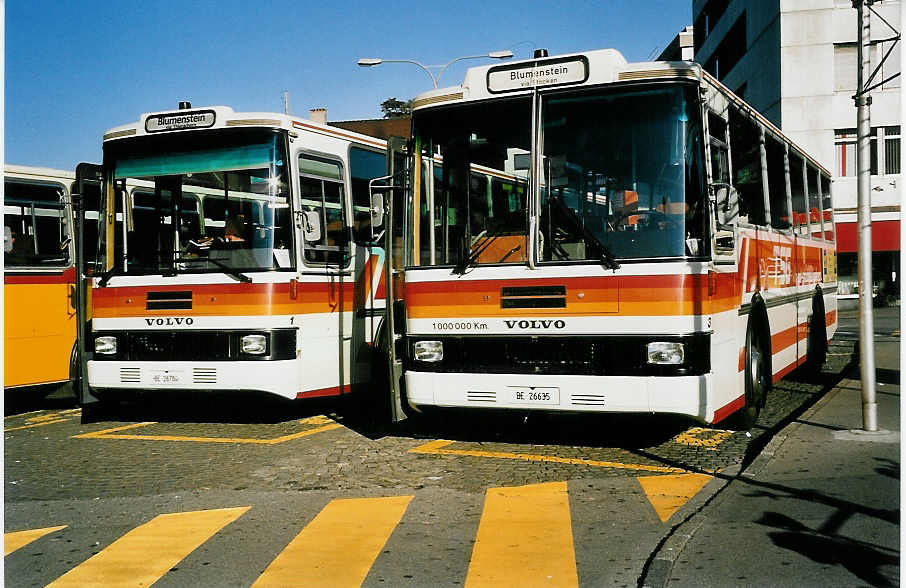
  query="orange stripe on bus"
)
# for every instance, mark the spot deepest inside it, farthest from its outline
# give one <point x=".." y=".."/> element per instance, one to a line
<point x="626" y="295"/>
<point x="230" y="300"/>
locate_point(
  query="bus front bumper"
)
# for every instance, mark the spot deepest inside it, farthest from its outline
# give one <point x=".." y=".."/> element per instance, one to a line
<point x="280" y="378"/>
<point x="685" y="395"/>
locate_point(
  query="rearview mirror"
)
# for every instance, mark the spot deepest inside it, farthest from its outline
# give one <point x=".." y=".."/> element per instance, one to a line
<point x="377" y="210"/>
<point x="311" y="226"/>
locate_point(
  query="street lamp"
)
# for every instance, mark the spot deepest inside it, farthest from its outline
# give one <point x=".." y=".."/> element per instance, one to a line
<point x="372" y="61"/>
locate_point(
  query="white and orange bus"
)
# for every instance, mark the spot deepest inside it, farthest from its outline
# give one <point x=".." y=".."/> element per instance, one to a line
<point x="653" y="244"/>
<point x="232" y="257"/>
<point x="39" y="326"/>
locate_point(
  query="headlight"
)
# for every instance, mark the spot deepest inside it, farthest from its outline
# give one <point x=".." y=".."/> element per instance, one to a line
<point x="253" y="344"/>
<point x="105" y="345"/>
<point x="664" y="353"/>
<point x="428" y="351"/>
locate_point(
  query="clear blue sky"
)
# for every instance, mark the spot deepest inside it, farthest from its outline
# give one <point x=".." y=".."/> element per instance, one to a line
<point x="75" y="69"/>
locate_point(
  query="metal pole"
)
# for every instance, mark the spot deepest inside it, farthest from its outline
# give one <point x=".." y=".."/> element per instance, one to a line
<point x="863" y="166"/>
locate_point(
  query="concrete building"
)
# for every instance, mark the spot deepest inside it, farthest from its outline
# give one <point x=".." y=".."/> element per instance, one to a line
<point x="795" y="61"/>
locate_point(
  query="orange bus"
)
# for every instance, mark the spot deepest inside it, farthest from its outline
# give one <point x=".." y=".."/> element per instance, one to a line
<point x="39" y="278"/>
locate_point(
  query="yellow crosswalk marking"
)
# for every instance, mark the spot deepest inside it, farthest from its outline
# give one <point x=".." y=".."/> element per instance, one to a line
<point x="668" y="493"/>
<point x="524" y="538"/>
<point x="19" y="539"/>
<point x="144" y="554"/>
<point x="339" y="546"/>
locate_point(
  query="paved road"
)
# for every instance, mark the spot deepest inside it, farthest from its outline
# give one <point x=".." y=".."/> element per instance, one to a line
<point x="218" y="493"/>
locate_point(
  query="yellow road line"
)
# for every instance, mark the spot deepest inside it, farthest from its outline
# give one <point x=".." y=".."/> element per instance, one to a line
<point x="110" y="434"/>
<point x="19" y="539"/>
<point x="525" y="538"/>
<point x="339" y="546"/>
<point x="33" y="425"/>
<point x="436" y="447"/>
<point x="143" y="555"/>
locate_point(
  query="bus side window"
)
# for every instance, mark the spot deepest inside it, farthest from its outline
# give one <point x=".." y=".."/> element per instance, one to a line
<point x="364" y="165"/>
<point x="814" y="202"/>
<point x="780" y="210"/>
<point x="827" y="207"/>
<point x="321" y="186"/>
<point x="797" y="191"/>
<point x="35" y="216"/>
<point x="745" y="151"/>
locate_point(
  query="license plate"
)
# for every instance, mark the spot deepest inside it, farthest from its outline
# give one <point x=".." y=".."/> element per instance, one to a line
<point x="534" y="395"/>
<point x="166" y="377"/>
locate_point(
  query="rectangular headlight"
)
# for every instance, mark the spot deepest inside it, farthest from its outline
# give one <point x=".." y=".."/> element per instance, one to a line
<point x="105" y="345"/>
<point x="665" y="353"/>
<point x="253" y="344"/>
<point x="428" y="351"/>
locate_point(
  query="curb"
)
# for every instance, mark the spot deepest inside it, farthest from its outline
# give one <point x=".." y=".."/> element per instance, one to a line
<point x="661" y="566"/>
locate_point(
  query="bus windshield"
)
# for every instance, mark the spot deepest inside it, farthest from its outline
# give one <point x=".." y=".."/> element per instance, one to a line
<point x="622" y="177"/>
<point x="202" y="202"/>
<point x="623" y="172"/>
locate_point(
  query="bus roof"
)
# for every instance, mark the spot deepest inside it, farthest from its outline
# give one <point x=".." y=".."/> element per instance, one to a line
<point x="588" y="68"/>
<point x="215" y="117"/>
<point x="600" y="66"/>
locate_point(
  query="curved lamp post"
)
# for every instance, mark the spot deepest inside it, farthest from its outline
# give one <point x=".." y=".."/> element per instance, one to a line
<point x="372" y="61"/>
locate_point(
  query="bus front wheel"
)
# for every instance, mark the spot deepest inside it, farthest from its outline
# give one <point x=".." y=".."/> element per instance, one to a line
<point x="756" y="381"/>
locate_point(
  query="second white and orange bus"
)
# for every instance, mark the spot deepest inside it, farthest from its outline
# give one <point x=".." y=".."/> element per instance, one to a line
<point x="233" y="257"/>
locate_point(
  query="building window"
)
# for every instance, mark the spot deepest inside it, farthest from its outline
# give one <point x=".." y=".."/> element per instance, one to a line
<point x="846" y="65"/>
<point x="891" y="149"/>
<point x="883" y="162"/>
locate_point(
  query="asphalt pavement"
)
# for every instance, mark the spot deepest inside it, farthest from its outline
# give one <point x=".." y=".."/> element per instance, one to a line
<point x="819" y="506"/>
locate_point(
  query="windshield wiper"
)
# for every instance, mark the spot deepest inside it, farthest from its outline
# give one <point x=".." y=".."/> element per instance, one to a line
<point x="606" y="256"/>
<point x="475" y="253"/>
<point x="105" y="277"/>
<point x="236" y="275"/>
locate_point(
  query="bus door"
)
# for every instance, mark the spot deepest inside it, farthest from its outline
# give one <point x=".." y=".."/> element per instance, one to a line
<point x="388" y="221"/>
<point x="326" y="280"/>
<point x="86" y="206"/>
<point x="365" y="164"/>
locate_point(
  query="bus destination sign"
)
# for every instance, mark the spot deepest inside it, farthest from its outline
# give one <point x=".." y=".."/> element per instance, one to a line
<point x="524" y="76"/>
<point x="177" y="121"/>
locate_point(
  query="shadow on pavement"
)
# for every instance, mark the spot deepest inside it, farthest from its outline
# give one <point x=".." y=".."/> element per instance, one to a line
<point x="864" y="560"/>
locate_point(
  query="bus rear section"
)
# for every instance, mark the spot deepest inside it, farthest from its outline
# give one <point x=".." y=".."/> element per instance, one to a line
<point x="39" y="326"/>
<point x="230" y="260"/>
<point x="586" y="234"/>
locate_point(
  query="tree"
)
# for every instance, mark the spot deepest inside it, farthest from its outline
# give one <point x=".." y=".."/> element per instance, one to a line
<point x="393" y="108"/>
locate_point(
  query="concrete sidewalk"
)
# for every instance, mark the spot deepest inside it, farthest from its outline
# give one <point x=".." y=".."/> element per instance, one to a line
<point x="820" y="506"/>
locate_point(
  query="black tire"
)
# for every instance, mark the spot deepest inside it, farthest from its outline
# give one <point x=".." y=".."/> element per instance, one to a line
<point x="757" y="381"/>
<point x="816" y="346"/>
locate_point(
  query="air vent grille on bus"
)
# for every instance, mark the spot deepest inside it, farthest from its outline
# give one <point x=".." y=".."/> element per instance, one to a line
<point x="130" y="375"/>
<point x="178" y="300"/>
<point x="533" y="297"/>
<point x="587" y="399"/>
<point x="473" y="396"/>
<point x="204" y="375"/>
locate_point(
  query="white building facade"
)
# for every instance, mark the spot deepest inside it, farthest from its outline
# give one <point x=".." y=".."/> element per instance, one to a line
<point x="796" y="62"/>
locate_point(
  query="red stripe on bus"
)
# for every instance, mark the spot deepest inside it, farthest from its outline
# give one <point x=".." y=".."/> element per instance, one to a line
<point x="725" y="411"/>
<point x="830" y="318"/>
<point x="66" y="276"/>
<point x="323" y="392"/>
